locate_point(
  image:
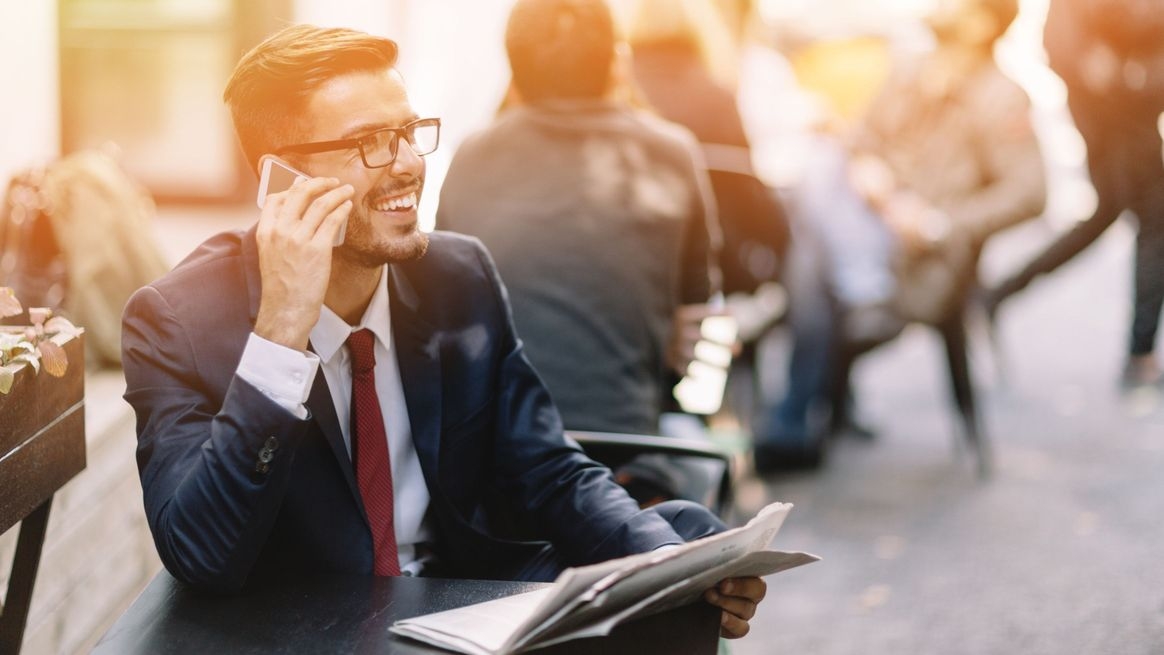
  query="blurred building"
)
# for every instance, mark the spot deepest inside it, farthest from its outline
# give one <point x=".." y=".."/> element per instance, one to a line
<point x="147" y="75"/>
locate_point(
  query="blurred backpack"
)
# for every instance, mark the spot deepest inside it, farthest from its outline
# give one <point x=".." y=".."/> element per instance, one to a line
<point x="30" y="258"/>
<point x="78" y="236"/>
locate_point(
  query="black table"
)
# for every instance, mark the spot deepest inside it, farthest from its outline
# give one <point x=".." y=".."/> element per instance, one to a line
<point x="351" y="614"/>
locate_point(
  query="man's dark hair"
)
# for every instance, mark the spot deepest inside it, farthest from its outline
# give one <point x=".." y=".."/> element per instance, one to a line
<point x="271" y="84"/>
<point x="560" y="49"/>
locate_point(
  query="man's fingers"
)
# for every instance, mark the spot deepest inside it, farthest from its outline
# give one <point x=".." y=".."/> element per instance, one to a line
<point x="753" y="588"/>
<point x="732" y="627"/>
<point x="745" y="608"/>
<point x="738" y="598"/>
<point x="332" y="222"/>
<point x="268" y="216"/>
<point x="693" y="313"/>
<point x="297" y="199"/>
<point x="323" y="207"/>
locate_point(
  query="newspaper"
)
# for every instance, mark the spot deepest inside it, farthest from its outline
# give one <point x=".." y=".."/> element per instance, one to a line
<point x="590" y="601"/>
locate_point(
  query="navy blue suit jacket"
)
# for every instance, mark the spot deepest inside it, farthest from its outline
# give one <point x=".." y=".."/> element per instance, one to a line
<point x="500" y="473"/>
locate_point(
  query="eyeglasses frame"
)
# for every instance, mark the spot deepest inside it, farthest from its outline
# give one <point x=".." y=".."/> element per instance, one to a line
<point x="358" y="143"/>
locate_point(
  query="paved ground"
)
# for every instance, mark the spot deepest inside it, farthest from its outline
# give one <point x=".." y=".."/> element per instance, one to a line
<point x="1058" y="553"/>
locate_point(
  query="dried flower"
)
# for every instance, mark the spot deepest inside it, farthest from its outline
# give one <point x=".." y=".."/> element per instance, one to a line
<point x="53" y="358"/>
<point x="9" y="305"/>
<point x="36" y="345"/>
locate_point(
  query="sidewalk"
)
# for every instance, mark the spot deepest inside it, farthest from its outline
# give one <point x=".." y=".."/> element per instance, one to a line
<point x="1058" y="553"/>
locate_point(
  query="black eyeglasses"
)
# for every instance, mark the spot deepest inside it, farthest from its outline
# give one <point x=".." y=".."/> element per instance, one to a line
<point x="378" y="149"/>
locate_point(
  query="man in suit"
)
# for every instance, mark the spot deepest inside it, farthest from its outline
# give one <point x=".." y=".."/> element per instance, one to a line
<point x="365" y="408"/>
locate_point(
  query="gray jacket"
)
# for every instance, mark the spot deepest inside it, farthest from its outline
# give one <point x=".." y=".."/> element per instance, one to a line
<point x="601" y="221"/>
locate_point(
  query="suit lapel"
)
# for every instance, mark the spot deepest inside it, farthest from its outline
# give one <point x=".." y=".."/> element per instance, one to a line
<point x="418" y="355"/>
<point x="322" y="409"/>
<point x="319" y="402"/>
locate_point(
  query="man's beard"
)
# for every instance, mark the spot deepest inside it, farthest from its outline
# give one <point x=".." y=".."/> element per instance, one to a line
<point x="361" y="245"/>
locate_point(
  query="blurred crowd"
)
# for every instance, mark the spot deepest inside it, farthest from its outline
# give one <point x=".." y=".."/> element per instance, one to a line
<point x="625" y="190"/>
<point x="619" y="235"/>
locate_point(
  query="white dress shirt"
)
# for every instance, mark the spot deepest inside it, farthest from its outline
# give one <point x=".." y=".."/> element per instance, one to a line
<point x="285" y="375"/>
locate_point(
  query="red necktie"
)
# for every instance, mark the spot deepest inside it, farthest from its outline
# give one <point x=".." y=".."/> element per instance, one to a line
<point x="373" y="466"/>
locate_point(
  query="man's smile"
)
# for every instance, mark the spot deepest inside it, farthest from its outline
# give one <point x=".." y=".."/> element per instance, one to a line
<point x="397" y="206"/>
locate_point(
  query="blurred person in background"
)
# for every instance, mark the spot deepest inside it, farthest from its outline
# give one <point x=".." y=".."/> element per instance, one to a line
<point x="602" y="224"/>
<point x="777" y="111"/>
<point x="1110" y="55"/>
<point x="672" y="44"/>
<point x="679" y="50"/>
<point x="944" y="157"/>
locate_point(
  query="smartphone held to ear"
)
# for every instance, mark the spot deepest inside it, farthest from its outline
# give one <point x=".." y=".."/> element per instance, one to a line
<point x="276" y="175"/>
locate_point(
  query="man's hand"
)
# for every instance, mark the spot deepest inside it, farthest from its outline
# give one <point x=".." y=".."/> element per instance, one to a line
<point x="738" y="598"/>
<point x="686" y="331"/>
<point x="685" y="324"/>
<point x="295" y="235"/>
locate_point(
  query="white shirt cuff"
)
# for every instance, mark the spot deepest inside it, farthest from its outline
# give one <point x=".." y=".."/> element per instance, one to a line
<point x="283" y="374"/>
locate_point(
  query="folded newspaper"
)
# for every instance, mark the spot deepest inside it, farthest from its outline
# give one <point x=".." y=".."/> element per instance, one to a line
<point x="590" y="601"/>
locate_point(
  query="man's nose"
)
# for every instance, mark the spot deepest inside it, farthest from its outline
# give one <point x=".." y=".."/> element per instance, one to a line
<point x="407" y="164"/>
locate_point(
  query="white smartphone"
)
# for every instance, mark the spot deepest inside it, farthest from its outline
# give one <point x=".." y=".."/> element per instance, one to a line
<point x="276" y="175"/>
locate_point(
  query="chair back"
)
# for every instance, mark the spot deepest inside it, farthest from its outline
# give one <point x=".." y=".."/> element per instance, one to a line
<point x="614" y="450"/>
<point x="755" y="227"/>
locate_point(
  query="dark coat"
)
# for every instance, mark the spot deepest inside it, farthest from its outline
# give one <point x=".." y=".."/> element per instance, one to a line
<point x="490" y="442"/>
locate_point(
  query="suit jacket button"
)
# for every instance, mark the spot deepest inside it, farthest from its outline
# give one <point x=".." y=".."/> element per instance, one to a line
<point x="265" y="456"/>
<point x="272" y="444"/>
<point x="262" y="468"/>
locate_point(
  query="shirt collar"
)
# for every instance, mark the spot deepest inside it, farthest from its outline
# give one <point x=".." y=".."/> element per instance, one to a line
<point x="331" y="332"/>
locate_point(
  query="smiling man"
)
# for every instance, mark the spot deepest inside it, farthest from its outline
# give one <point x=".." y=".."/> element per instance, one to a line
<point x="365" y="408"/>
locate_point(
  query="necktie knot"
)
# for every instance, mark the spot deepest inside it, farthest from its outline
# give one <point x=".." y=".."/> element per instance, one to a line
<point x="362" y="345"/>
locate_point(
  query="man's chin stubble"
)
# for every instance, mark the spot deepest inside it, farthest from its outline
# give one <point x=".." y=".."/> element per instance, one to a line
<point x="404" y="248"/>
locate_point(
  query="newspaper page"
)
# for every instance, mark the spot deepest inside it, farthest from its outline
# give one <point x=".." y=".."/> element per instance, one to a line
<point x="592" y="600"/>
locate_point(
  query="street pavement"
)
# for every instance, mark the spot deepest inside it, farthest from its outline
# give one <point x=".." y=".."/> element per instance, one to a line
<point x="1059" y="552"/>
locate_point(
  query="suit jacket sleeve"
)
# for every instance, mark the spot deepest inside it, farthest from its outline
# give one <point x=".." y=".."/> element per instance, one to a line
<point x="572" y="499"/>
<point x="209" y="503"/>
